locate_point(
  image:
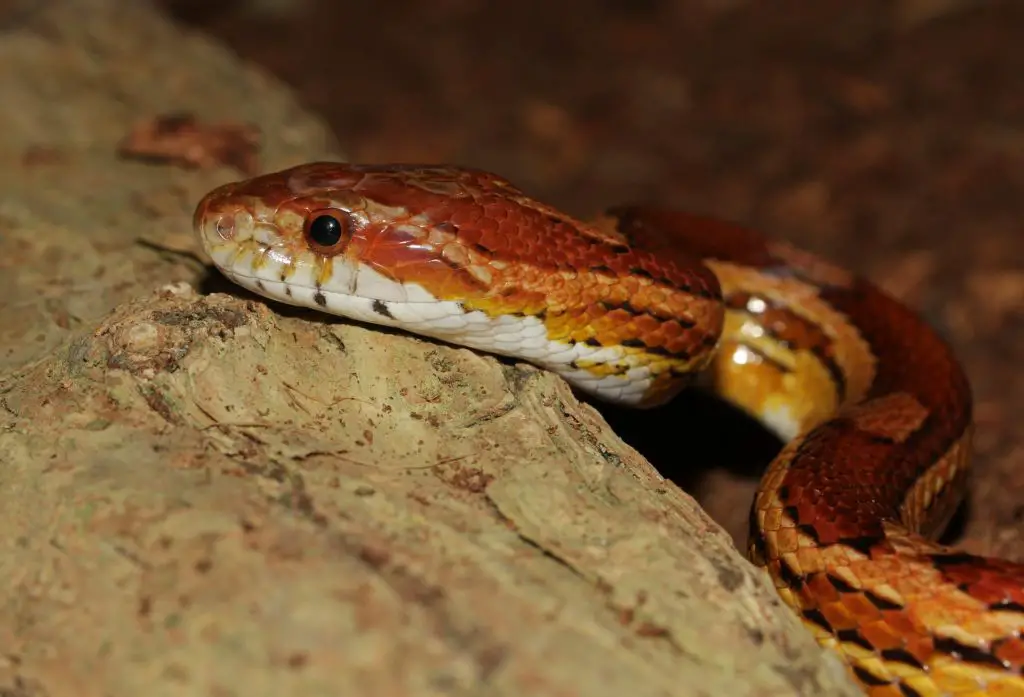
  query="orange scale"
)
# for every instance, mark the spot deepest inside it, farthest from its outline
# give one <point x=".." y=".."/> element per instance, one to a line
<point x="593" y="295"/>
<point x="880" y="635"/>
<point x="917" y="646"/>
<point x="787" y="540"/>
<point x="837" y="616"/>
<point x="654" y="340"/>
<point x="681" y="347"/>
<point x="822" y="589"/>
<point x="616" y="296"/>
<point x="612" y="330"/>
<point x="861" y="606"/>
<point x="650" y="338"/>
<point x="623" y="317"/>
<point x="901" y="621"/>
<point x="465" y="216"/>
<point x="487" y="235"/>
<point x="673" y="329"/>
<point x="645" y="325"/>
<point x="680" y="304"/>
<point x="1011" y="650"/>
<point x="580" y="335"/>
<point x="510" y="228"/>
<point x="656" y="296"/>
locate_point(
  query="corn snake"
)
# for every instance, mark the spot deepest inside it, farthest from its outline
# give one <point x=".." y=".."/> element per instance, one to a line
<point x="874" y="408"/>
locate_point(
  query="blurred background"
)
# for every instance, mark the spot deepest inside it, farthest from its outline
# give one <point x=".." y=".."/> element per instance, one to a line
<point x="888" y="136"/>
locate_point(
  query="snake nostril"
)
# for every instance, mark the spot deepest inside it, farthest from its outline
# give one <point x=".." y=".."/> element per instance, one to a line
<point x="224" y="226"/>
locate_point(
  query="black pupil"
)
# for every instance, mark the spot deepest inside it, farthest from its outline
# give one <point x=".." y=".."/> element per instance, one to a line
<point x="325" y="230"/>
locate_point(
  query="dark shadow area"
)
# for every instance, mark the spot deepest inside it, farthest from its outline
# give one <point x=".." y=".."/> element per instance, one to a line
<point x="694" y="434"/>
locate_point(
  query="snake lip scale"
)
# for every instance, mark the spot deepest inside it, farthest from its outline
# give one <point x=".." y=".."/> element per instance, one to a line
<point x="874" y="407"/>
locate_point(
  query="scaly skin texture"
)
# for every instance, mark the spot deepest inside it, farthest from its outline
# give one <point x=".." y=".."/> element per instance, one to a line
<point x="875" y="409"/>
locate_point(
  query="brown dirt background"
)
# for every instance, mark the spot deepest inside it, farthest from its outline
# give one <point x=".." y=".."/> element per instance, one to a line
<point x="885" y="135"/>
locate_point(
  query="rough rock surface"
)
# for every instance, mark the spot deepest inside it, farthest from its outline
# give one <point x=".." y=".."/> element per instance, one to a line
<point x="202" y="494"/>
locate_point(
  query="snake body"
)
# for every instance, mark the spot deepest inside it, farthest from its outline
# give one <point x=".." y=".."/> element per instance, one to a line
<point x="874" y="408"/>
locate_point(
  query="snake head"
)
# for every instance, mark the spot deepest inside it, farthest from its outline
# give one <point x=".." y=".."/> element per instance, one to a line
<point x="339" y="238"/>
<point x="464" y="256"/>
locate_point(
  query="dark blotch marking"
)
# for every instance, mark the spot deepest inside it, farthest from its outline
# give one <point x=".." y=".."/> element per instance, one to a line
<point x="259" y="284"/>
<point x="954" y="559"/>
<point x="1006" y="606"/>
<point x="662" y="281"/>
<point x="320" y="299"/>
<point x="841" y="585"/>
<point x="869" y="678"/>
<point x="760" y="549"/>
<point x="601" y="268"/>
<point x="880" y="602"/>
<point x="381" y="308"/>
<point x="288" y="291"/>
<point x="814" y="615"/>
<point x="852" y="636"/>
<point x="654" y="350"/>
<point x="834" y="371"/>
<point x="967" y="653"/>
<point x="902" y="656"/>
<point x="790" y="577"/>
<point x="908" y="691"/>
<point x="627" y="307"/>
<point x="864" y="545"/>
<point x="592" y="341"/>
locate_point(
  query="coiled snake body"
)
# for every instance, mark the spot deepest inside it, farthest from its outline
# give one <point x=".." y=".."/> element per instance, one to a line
<point x="874" y="407"/>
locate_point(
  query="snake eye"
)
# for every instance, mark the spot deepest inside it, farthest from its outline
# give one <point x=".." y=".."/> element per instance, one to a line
<point x="328" y="231"/>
